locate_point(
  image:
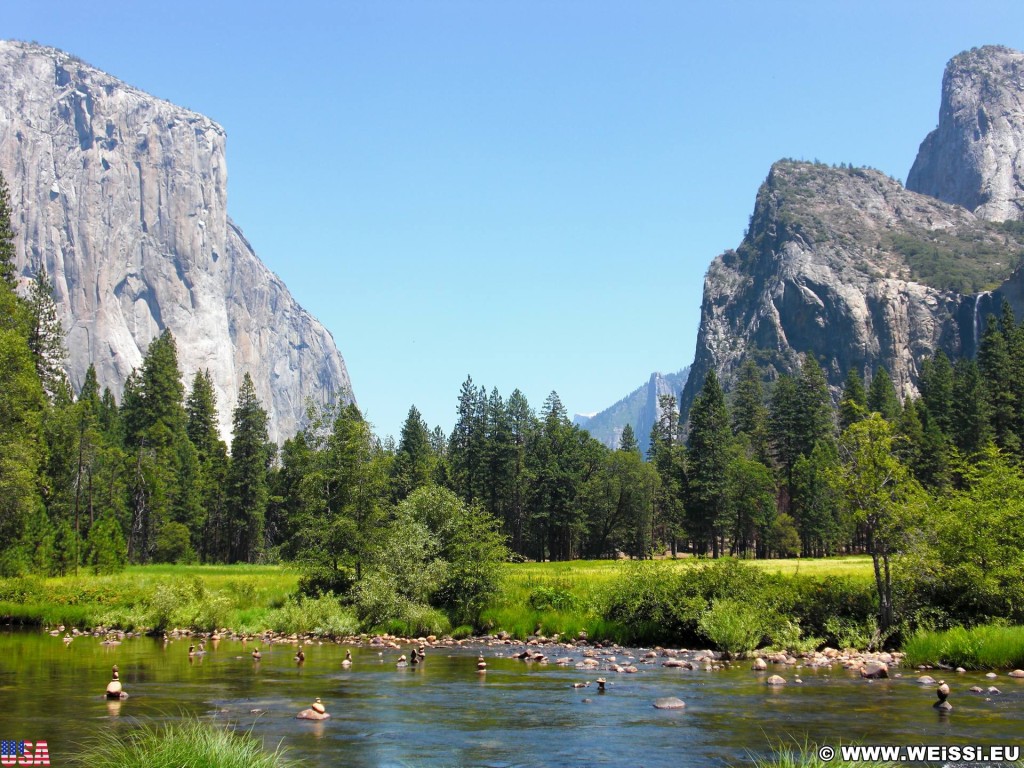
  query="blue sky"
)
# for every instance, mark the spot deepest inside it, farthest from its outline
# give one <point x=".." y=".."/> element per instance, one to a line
<point x="526" y="192"/>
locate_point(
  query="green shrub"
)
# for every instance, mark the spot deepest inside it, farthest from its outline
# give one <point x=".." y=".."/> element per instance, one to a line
<point x="733" y="626"/>
<point x="553" y="598"/>
<point x="318" y="615"/>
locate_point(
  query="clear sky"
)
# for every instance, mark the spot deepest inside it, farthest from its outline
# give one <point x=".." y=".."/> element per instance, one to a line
<point x="526" y="192"/>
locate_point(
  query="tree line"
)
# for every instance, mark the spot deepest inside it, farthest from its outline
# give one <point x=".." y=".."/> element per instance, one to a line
<point x="771" y="469"/>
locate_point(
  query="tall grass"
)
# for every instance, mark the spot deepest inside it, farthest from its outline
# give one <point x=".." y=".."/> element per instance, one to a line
<point x="983" y="647"/>
<point x="797" y="754"/>
<point x="190" y="743"/>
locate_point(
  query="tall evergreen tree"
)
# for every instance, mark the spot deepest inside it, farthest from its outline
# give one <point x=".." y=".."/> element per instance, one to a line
<point x="853" y="404"/>
<point x="209" y="534"/>
<point x="882" y="396"/>
<point x="248" y="491"/>
<point x="413" y="466"/>
<point x="627" y="440"/>
<point x="936" y="386"/>
<point x="998" y="370"/>
<point x="8" y="275"/>
<point x="749" y="412"/>
<point x="667" y="454"/>
<point x="969" y="415"/>
<point x="707" y="461"/>
<point x="46" y="335"/>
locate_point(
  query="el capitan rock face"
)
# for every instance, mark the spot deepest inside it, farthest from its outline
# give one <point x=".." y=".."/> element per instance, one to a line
<point x="123" y="198"/>
<point x="975" y="158"/>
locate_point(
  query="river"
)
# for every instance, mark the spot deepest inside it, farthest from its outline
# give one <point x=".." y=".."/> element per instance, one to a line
<point x="443" y="712"/>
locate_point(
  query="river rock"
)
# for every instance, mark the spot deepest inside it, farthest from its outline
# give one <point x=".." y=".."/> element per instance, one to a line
<point x="1017" y="673"/>
<point x="874" y="670"/>
<point x="926" y="680"/>
<point x="775" y="680"/>
<point x="669" y="702"/>
<point x="976" y="689"/>
<point x="759" y="665"/>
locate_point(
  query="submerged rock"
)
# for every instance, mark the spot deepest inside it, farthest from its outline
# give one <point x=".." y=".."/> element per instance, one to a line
<point x="669" y="702"/>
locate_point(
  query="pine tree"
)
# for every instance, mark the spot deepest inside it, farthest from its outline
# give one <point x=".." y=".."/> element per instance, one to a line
<point x="882" y="398"/>
<point x="998" y="370"/>
<point x="667" y="455"/>
<point x="209" y="531"/>
<point x="707" y="460"/>
<point x="8" y="275"/>
<point x="46" y="335"/>
<point x="970" y="417"/>
<point x="853" y="404"/>
<point x="936" y="386"/>
<point x="627" y="440"/>
<point x="523" y="425"/>
<point x="247" y="486"/>
<point x="414" y="461"/>
<point x="749" y="413"/>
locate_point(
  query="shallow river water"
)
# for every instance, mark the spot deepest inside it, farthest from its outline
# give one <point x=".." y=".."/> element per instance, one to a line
<point x="442" y="712"/>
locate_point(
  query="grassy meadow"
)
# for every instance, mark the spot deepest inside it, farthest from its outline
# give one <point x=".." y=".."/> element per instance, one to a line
<point x="564" y="598"/>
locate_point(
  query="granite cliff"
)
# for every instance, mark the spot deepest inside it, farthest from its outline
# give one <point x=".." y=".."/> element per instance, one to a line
<point x="975" y="157"/>
<point x="848" y="265"/>
<point x="123" y="198"/>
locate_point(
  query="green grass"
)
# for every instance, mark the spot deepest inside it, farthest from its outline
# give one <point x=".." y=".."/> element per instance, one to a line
<point x="587" y="584"/>
<point x="189" y="743"/>
<point x="806" y="755"/>
<point x="984" y="647"/>
<point x="564" y="598"/>
<point x="232" y="596"/>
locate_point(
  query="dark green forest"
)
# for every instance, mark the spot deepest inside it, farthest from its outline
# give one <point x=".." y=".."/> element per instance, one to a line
<point x="931" y="485"/>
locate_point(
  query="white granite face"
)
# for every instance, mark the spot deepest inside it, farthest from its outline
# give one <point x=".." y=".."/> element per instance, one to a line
<point x="123" y="197"/>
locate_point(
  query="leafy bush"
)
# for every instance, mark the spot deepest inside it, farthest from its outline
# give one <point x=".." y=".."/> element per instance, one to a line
<point x="733" y="626"/>
<point x="318" y="615"/>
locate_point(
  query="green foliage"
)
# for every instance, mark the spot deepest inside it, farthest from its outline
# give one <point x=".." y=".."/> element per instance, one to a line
<point x="323" y="615"/>
<point x="733" y="626"/>
<point x="187" y="603"/>
<point x="247" y="482"/>
<point x="172" y="745"/>
<point x="173" y="544"/>
<point x="966" y="262"/>
<point x="983" y="647"/>
<point x="553" y="598"/>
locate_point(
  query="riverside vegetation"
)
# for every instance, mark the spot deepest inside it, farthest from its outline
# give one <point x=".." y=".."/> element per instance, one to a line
<point x="417" y="536"/>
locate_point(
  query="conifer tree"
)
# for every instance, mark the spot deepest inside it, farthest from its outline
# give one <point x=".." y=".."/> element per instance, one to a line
<point x="21" y="413"/>
<point x="46" y="335"/>
<point x="627" y="440"/>
<point x="8" y="275"/>
<point x="707" y="460"/>
<point x="853" y="404"/>
<point x="414" y="461"/>
<point x="247" y="483"/>
<point x="749" y="413"/>
<point x="882" y="398"/>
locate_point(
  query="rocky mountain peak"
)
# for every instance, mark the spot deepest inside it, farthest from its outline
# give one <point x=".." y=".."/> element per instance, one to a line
<point x="123" y="197"/>
<point x="975" y="157"/>
<point x="846" y="265"/>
